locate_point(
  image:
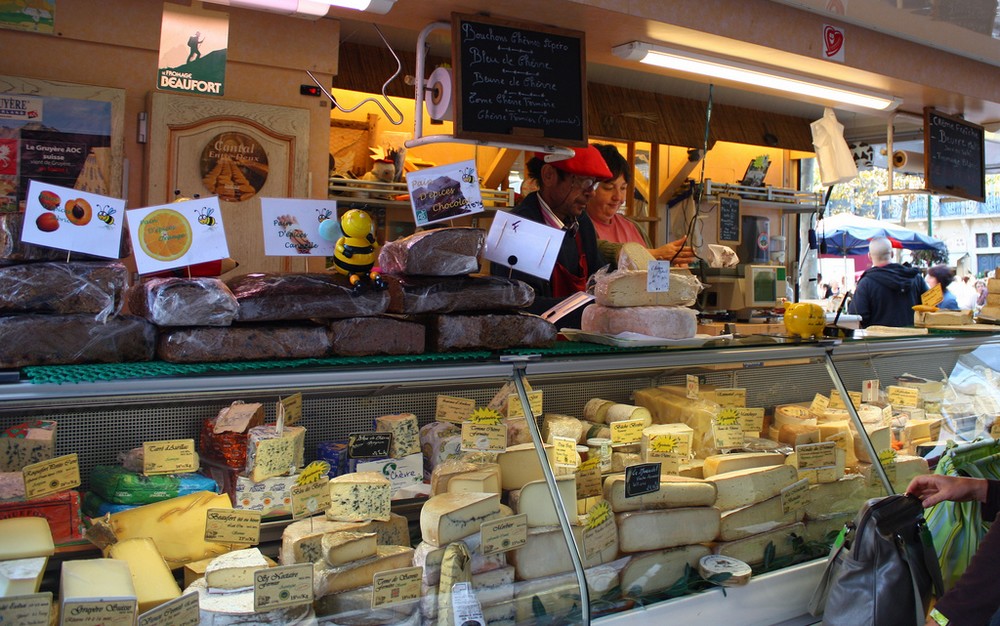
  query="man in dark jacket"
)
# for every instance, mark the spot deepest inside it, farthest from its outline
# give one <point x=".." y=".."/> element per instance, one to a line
<point x="886" y="292"/>
<point x="565" y="187"/>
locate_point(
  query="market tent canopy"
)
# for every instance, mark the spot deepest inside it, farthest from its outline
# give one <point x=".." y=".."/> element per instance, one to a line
<point x="848" y="234"/>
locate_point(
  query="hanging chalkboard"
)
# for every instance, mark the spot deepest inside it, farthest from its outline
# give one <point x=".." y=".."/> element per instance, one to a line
<point x="729" y="219"/>
<point x="518" y="81"/>
<point x="954" y="156"/>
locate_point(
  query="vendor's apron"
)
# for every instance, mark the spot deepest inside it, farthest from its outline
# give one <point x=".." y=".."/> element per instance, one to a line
<point x="565" y="283"/>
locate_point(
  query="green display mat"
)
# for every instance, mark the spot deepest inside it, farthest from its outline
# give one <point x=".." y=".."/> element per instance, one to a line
<point x="88" y="373"/>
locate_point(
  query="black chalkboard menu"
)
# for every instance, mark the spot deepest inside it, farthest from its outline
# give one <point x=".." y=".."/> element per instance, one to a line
<point x="954" y="156"/>
<point x="518" y="81"/>
<point x="729" y="219"/>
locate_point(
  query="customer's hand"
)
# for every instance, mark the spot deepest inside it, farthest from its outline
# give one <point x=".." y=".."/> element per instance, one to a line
<point x="934" y="488"/>
<point x="676" y="252"/>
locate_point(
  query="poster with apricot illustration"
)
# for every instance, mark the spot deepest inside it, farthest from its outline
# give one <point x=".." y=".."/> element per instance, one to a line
<point x="73" y="220"/>
<point x="177" y="234"/>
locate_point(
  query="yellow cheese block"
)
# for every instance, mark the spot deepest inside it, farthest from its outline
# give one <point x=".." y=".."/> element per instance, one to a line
<point x="154" y="582"/>
<point x="25" y="537"/>
<point x="176" y="526"/>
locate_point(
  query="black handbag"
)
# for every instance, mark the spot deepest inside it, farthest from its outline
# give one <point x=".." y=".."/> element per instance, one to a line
<point x="883" y="570"/>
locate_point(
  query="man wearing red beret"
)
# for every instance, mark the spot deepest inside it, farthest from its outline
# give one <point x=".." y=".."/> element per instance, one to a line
<point x="564" y="188"/>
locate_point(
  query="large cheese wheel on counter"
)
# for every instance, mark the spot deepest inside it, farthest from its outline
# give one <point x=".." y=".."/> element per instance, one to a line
<point x="666" y="322"/>
<point x="628" y="288"/>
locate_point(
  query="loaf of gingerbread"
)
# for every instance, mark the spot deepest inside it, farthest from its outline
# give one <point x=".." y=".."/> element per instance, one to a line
<point x="491" y="331"/>
<point x="198" y="301"/>
<point x="245" y="342"/>
<point x="436" y="252"/>
<point x="63" y="288"/>
<point x="38" y="339"/>
<point x="270" y="297"/>
<point x="448" y="294"/>
<point x="368" y="336"/>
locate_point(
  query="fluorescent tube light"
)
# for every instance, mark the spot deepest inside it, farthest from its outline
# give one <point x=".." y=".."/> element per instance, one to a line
<point x="371" y="6"/>
<point x="736" y="71"/>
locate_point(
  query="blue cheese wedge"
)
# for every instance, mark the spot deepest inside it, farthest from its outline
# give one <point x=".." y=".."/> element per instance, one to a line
<point x="405" y="433"/>
<point x="449" y="517"/>
<point x="360" y="497"/>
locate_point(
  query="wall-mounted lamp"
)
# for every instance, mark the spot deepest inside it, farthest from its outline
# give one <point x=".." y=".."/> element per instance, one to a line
<point x="737" y="71"/>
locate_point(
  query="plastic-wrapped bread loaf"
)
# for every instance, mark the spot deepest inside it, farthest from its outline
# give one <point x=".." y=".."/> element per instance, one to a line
<point x="437" y="252"/>
<point x="63" y="288"/>
<point x="183" y="302"/>
<point x="362" y="336"/>
<point x="488" y="332"/>
<point x="421" y="294"/>
<point x="74" y="339"/>
<point x="250" y="342"/>
<point x="666" y="322"/>
<point x="12" y="249"/>
<point x="270" y="297"/>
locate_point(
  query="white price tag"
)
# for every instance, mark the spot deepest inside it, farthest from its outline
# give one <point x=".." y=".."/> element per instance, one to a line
<point x="658" y="276"/>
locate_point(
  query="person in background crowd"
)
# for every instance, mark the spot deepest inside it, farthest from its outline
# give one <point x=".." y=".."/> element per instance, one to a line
<point x="612" y="227"/>
<point x="941" y="275"/>
<point x="564" y="188"/>
<point x="981" y="293"/>
<point x="886" y="292"/>
<point x="824" y="288"/>
<point x="965" y="293"/>
<point x="975" y="598"/>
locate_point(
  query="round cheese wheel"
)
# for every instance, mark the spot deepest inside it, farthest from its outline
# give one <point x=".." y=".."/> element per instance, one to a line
<point x="713" y="564"/>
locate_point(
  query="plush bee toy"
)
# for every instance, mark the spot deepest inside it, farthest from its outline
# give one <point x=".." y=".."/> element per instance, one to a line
<point x="356" y="252"/>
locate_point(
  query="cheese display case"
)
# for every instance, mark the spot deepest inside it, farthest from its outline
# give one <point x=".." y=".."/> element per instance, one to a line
<point x="671" y="472"/>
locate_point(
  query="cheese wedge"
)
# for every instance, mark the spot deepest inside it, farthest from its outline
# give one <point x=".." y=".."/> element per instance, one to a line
<point x="722" y="463"/>
<point x="153" y="581"/>
<point x="749" y="486"/>
<point x="480" y="481"/>
<point x="359" y="497"/>
<point x="234" y="570"/>
<point x="327" y="580"/>
<point x="96" y="579"/>
<point x="756" y="518"/>
<point x="675" y="492"/>
<point x="546" y="553"/>
<point x="443" y="473"/>
<point x="25" y="537"/>
<point x="640" y="531"/>
<point x="346" y="546"/>
<point x="302" y="541"/>
<point x="536" y="502"/>
<point x="649" y="572"/>
<point x="449" y="517"/>
<point x="751" y="549"/>
<point x="519" y="465"/>
<point x="21" y="577"/>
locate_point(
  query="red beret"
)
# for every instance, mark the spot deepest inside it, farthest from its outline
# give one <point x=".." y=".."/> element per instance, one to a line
<point x="586" y="162"/>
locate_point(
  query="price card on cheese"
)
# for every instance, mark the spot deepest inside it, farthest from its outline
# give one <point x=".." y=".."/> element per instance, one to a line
<point x="232" y="526"/>
<point x="819" y="404"/>
<point x="535" y="401"/>
<point x="395" y="586"/>
<point x="668" y="445"/>
<point x="869" y="390"/>
<point x="588" y="479"/>
<point x="731" y="396"/>
<point x="52" y="476"/>
<point x="310" y="498"/>
<point x="887" y="458"/>
<point x="291" y="408"/>
<point x="658" y="276"/>
<point x="369" y="445"/>
<point x="727" y="429"/>
<point x="564" y="451"/>
<point x="809" y="455"/>
<point x="751" y="419"/>
<point x="600" y="533"/>
<point x="98" y="613"/>
<point x="176" y="456"/>
<point x="692" y="386"/>
<point x="30" y="610"/>
<point x="642" y="479"/>
<point x="504" y="534"/>
<point x="287" y="585"/>
<point x="628" y="431"/>
<point x="793" y="497"/>
<point x="902" y="396"/>
<point x="452" y="409"/>
<point x="484" y="437"/>
<point x="182" y="611"/>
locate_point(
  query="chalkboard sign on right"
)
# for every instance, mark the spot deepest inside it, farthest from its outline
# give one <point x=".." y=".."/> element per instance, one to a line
<point x="954" y="156"/>
<point x="729" y="219"/>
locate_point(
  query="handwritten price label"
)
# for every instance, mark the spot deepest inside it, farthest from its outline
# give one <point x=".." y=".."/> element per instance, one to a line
<point x="176" y="456"/>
